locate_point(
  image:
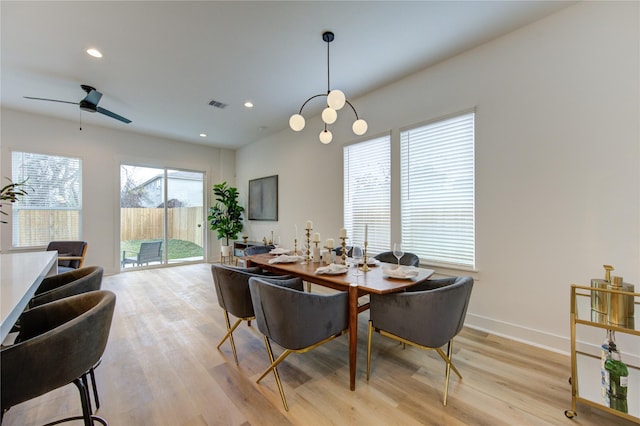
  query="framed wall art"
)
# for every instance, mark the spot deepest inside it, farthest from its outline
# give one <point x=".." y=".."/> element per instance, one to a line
<point x="263" y="198"/>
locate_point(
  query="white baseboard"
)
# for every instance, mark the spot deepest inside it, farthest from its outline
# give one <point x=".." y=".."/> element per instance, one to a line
<point x="541" y="339"/>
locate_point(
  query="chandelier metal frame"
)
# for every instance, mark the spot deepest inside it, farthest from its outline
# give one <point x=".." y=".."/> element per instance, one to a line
<point x="335" y="101"/>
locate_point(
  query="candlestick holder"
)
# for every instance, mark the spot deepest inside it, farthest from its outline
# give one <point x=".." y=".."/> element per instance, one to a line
<point x="307" y="257"/>
<point x="344" y="250"/>
<point x="365" y="263"/>
<point x="295" y="246"/>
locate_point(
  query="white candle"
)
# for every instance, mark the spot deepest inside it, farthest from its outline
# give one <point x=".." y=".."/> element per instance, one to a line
<point x="366" y="233"/>
<point x="296" y="228"/>
<point x="309" y="225"/>
<point x="330" y="243"/>
<point x="316" y="237"/>
<point x="343" y="233"/>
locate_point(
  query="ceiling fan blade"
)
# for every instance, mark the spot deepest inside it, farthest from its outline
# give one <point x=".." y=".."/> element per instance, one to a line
<point x="93" y="97"/>
<point x="113" y="115"/>
<point x="51" y="100"/>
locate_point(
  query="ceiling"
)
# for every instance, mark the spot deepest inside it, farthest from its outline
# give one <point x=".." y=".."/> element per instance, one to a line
<point x="164" y="61"/>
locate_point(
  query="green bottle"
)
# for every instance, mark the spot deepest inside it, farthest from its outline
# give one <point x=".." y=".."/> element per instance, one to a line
<point x="618" y="374"/>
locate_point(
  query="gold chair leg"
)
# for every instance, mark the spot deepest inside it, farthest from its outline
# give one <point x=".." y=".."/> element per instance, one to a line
<point x="448" y="360"/>
<point x="308" y="287"/>
<point x="273" y="366"/>
<point x="369" y="348"/>
<point x="448" y="374"/>
<point x="229" y="335"/>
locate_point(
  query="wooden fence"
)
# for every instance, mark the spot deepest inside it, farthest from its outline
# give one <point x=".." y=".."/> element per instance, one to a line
<point x="148" y="224"/>
<point x="135" y="224"/>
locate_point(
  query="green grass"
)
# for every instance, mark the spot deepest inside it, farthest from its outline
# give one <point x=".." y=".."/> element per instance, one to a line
<point x="178" y="249"/>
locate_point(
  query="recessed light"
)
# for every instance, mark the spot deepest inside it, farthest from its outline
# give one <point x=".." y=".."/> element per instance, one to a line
<point x="248" y="104"/>
<point x="94" y="52"/>
<point x="203" y="135"/>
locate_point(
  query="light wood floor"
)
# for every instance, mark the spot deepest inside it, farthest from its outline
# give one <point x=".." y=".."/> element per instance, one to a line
<point x="161" y="367"/>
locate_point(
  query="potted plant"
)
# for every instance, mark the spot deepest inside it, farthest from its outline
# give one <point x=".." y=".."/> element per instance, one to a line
<point x="225" y="217"/>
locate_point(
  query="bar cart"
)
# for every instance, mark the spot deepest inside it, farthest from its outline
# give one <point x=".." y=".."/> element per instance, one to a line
<point x="585" y="366"/>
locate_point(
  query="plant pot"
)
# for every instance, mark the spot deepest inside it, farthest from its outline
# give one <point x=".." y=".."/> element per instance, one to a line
<point x="225" y="250"/>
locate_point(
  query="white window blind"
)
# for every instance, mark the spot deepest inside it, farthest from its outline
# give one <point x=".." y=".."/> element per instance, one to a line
<point x="437" y="191"/>
<point x="367" y="193"/>
<point x="52" y="210"/>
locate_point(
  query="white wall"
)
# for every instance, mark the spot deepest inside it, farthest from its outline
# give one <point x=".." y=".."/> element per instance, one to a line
<point x="102" y="150"/>
<point x="557" y="156"/>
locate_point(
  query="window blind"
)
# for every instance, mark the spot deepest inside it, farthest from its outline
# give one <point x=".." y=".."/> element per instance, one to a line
<point x="367" y="193"/>
<point x="52" y="210"/>
<point x="437" y="191"/>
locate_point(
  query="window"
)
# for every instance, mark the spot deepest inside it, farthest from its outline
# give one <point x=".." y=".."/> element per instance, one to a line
<point x="367" y="193"/>
<point x="52" y="210"/>
<point x="437" y="191"/>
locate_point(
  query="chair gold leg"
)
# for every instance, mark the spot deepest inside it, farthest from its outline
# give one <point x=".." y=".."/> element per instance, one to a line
<point x="229" y="335"/>
<point x="448" y="371"/>
<point x="369" y="348"/>
<point x="273" y="367"/>
<point x="449" y="361"/>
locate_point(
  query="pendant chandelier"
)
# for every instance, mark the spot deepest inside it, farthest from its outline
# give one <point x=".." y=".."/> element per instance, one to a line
<point x="335" y="101"/>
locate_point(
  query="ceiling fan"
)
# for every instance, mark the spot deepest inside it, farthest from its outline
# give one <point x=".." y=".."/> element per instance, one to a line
<point x="89" y="103"/>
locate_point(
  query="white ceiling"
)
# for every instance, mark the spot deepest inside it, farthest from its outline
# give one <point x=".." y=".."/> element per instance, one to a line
<point x="165" y="60"/>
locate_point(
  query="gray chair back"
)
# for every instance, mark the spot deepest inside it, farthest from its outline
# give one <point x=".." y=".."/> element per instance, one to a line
<point x="430" y="314"/>
<point x="232" y="288"/>
<point x="62" y="340"/>
<point x="67" y="284"/>
<point x="409" y="259"/>
<point x="258" y="249"/>
<point x="69" y="248"/>
<point x="150" y="252"/>
<point x="295" y="319"/>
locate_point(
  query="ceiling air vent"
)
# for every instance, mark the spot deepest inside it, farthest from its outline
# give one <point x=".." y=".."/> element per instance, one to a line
<point x="218" y="104"/>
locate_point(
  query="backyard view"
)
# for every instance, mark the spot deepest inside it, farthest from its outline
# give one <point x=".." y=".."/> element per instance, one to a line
<point x="161" y="214"/>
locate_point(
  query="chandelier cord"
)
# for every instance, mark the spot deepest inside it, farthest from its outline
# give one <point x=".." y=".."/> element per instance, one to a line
<point x="328" y="69"/>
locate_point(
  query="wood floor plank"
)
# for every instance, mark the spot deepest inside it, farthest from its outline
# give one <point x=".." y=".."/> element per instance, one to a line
<point x="161" y="367"/>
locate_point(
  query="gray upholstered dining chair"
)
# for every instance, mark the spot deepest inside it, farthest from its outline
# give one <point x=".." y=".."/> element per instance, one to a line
<point x="409" y="259"/>
<point x="61" y="341"/>
<point x="70" y="254"/>
<point x="232" y="289"/>
<point x="295" y="320"/>
<point x="427" y="315"/>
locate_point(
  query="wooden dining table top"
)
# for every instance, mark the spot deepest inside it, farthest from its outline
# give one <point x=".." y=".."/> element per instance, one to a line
<point x="372" y="281"/>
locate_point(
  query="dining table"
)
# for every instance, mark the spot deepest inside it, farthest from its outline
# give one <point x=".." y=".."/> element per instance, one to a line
<point x="371" y="281"/>
<point x="20" y="276"/>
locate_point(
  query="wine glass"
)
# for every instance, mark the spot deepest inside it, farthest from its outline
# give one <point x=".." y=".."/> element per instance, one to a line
<point x="357" y="255"/>
<point x="276" y="242"/>
<point x="397" y="252"/>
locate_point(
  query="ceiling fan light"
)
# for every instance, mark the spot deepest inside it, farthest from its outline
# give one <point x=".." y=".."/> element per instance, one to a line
<point x="326" y="137"/>
<point x="360" y="127"/>
<point x="296" y="122"/>
<point x="329" y="115"/>
<point x="336" y="99"/>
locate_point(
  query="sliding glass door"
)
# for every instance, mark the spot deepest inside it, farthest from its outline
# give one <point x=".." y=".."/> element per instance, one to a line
<point x="161" y="216"/>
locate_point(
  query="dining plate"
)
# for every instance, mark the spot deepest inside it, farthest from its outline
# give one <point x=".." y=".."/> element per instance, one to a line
<point x="371" y="261"/>
<point x="400" y="274"/>
<point x="280" y="250"/>
<point x="285" y="259"/>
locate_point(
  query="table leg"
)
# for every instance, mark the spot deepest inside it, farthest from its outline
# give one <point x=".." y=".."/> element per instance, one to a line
<point x="353" y="334"/>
